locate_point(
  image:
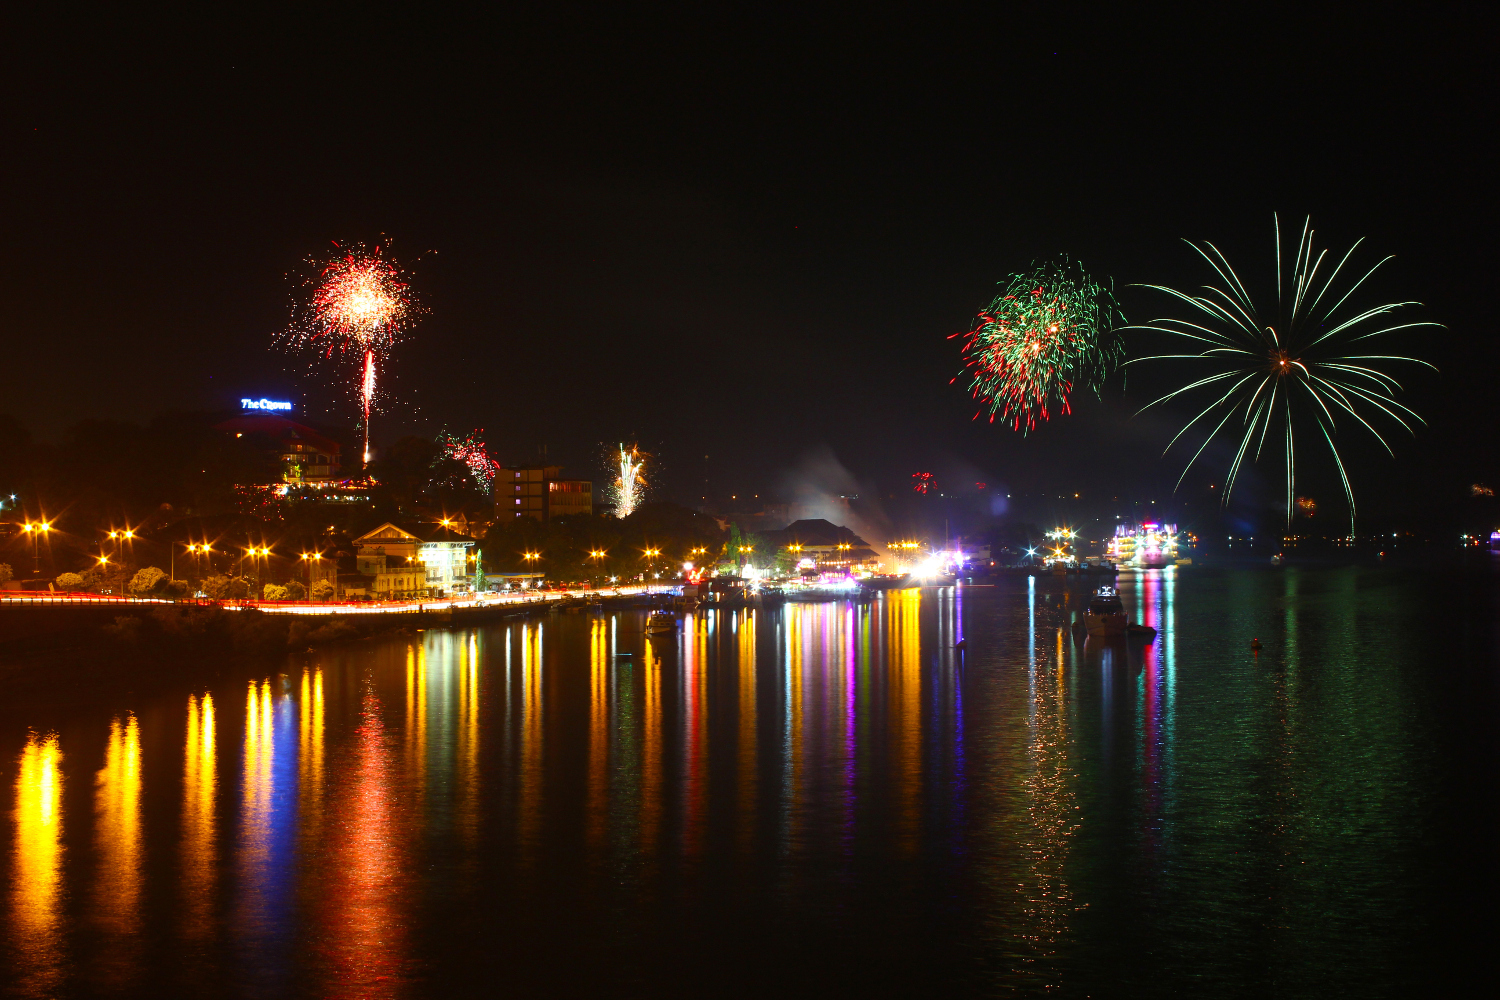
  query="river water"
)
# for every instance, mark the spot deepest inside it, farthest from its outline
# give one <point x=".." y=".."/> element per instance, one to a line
<point x="820" y="800"/>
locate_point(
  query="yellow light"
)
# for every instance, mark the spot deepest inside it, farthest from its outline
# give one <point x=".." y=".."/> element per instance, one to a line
<point x="103" y="560"/>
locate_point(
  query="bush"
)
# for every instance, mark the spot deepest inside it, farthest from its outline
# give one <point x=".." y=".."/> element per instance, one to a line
<point x="273" y="592"/>
<point x="322" y="591"/>
<point x="147" y="581"/>
<point x="68" y="582"/>
<point x="125" y="628"/>
<point x="255" y="630"/>
<point x="295" y="591"/>
<point x="231" y="587"/>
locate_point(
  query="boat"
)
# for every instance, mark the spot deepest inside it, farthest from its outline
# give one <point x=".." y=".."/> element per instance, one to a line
<point x="661" y="623"/>
<point x="1145" y="632"/>
<point x="886" y="581"/>
<point x="1105" y="615"/>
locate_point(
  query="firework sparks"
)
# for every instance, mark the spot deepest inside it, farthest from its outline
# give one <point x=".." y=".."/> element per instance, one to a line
<point x="629" y="487"/>
<point x="470" y="450"/>
<point x="1051" y="331"/>
<point x="1289" y="366"/>
<point x="359" y="306"/>
<point x="921" y="482"/>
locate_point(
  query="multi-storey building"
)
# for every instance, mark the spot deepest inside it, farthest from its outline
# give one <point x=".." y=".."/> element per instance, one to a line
<point x="307" y="457"/>
<point x="537" y="491"/>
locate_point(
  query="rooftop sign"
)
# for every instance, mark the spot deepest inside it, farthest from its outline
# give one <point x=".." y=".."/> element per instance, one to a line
<point x="264" y="404"/>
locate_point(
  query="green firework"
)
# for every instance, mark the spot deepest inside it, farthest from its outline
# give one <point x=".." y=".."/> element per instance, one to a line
<point x="1050" y="332"/>
<point x="1290" y="373"/>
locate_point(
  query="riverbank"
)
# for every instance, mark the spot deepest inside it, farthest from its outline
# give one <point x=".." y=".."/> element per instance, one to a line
<point x="136" y="647"/>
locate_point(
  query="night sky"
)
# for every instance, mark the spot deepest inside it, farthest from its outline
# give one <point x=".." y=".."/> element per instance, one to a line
<point x="741" y="236"/>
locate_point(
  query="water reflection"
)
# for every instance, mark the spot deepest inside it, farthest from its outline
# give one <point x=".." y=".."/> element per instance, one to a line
<point x="387" y="807"/>
<point x="199" y="837"/>
<point x="362" y="914"/>
<point x="36" y="874"/>
<point x="267" y="834"/>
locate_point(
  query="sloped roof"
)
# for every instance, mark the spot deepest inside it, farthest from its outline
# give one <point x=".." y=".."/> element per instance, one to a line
<point x="395" y="533"/>
<point x="279" y="428"/>
<point x="816" y="531"/>
<point x="387" y="532"/>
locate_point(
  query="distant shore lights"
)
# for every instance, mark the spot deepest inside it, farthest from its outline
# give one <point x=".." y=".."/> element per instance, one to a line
<point x="265" y="404"/>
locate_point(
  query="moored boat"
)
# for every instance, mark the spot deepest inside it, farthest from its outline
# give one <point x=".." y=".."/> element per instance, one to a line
<point x="1105" y="615"/>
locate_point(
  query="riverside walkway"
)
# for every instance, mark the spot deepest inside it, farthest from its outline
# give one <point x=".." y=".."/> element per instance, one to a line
<point x="465" y="602"/>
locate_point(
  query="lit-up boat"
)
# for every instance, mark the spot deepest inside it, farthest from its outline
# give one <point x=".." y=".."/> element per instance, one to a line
<point x="1105" y="615"/>
<point x="661" y="623"/>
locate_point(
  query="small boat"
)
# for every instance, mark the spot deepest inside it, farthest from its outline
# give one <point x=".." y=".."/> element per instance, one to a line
<point x="661" y="623"/>
<point x="1140" y="632"/>
<point x="1105" y="615"/>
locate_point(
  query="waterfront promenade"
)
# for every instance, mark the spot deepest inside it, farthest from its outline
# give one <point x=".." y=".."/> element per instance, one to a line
<point x="466" y="602"/>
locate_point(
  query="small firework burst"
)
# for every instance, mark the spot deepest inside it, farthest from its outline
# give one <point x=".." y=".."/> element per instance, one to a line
<point x="921" y="482"/>
<point x="470" y="450"/>
<point x="628" y="463"/>
<point x="1050" y="332"/>
<point x="359" y="306"/>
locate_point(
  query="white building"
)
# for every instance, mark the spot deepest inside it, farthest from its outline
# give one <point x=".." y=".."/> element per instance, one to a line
<point x="449" y="557"/>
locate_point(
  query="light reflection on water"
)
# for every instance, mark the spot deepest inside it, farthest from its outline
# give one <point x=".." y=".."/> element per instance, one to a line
<point x="36" y="867"/>
<point x="369" y="818"/>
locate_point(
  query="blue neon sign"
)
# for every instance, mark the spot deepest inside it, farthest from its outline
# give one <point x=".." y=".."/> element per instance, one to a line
<point x="264" y="404"/>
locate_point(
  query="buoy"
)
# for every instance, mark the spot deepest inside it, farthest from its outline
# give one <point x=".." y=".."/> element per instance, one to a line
<point x="1255" y="644"/>
<point x="961" y="645"/>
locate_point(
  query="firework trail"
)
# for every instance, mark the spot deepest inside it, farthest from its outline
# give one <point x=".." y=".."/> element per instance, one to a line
<point x="471" y="451"/>
<point x="629" y="487"/>
<point x="1051" y="331"/>
<point x="360" y="304"/>
<point x="1293" y="364"/>
<point x="922" y="481"/>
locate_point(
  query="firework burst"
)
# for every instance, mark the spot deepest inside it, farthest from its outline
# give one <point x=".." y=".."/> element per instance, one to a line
<point x="470" y="450"/>
<point x="1053" y="330"/>
<point x="629" y="487"/>
<point x="359" y="306"/>
<point x="1273" y="371"/>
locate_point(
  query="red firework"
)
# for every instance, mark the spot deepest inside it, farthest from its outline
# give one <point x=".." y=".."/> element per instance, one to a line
<point x="922" y="481"/>
<point x="360" y="304"/>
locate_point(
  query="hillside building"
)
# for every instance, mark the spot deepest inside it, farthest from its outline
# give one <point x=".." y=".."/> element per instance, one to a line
<point x="539" y="492"/>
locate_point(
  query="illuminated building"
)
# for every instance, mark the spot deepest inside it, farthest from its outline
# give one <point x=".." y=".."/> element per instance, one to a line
<point x="307" y="457"/>
<point x="830" y="547"/>
<point x="415" y="562"/>
<point x="536" y="491"/>
<point x="1143" y="545"/>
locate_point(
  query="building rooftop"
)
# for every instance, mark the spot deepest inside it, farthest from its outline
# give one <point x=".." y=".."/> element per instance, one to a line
<point x="816" y="531"/>
<point x="279" y="428"/>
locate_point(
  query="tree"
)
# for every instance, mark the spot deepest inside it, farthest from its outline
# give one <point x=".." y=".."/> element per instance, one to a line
<point x="91" y="578"/>
<point x="273" y="592"/>
<point x="295" y="591"/>
<point x="147" y="580"/>
<point x="322" y="591"/>
<point x="68" y="582"/>
<point x="6" y="574"/>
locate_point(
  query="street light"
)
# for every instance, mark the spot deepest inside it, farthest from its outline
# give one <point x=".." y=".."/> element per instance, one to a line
<point x="311" y="558"/>
<point x="36" y="529"/>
